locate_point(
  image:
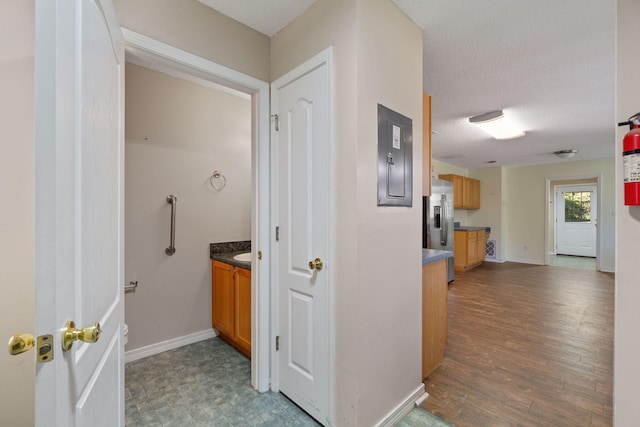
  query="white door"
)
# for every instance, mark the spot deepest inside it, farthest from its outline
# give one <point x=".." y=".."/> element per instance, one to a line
<point x="301" y="100"/>
<point x="576" y="220"/>
<point x="79" y="210"/>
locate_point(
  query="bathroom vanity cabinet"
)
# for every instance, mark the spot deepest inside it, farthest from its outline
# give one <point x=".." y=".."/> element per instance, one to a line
<point x="231" y="304"/>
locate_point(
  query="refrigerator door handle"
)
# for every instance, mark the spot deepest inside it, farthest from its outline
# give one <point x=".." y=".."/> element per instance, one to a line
<point x="444" y="233"/>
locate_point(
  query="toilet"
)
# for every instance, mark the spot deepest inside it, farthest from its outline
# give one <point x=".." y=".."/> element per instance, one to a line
<point x="125" y="334"/>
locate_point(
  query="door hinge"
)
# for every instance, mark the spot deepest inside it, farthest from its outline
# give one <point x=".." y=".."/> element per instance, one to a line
<point x="276" y="119"/>
<point x="278" y="343"/>
<point x="277" y="234"/>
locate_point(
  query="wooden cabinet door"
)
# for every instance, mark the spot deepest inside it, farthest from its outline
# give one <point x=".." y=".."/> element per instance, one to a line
<point x="458" y="189"/>
<point x="434" y="315"/>
<point x="472" y="247"/>
<point x="242" y="335"/>
<point x="222" y="298"/>
<point x="472" y="193"/>
<point x="426" y="144"/>
<point x="459" y="250"/>
<point x="467" y="197"/>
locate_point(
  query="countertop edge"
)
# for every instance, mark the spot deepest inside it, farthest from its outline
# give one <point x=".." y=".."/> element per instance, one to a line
<point x="227" y="258"/>
<point x="433" y="255"/>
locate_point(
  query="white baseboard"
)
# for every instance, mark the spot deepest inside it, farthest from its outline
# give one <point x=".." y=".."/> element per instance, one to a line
<point x="150" y="350"/>
<point x="499" y="261"/>
<point x="401" y="411"/>
<point x="607" y="270"/>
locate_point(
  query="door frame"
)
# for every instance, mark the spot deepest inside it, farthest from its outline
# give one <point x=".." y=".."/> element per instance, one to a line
<point x="177" y="60"/>
<point x="598" y="184"/>
<point x="324" y="57"/>
<point x="561" y="187"/>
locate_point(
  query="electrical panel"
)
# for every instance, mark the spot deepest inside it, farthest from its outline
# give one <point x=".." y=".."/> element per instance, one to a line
<point x="395" y="158"/>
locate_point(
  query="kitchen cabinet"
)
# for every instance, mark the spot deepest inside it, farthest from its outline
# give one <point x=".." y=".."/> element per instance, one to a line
<point x="469" y="249"/>
<point x="231" y="305"/>
<point x="466" y="191"/>
<point x="434" y="315"/>
<point x="426" y="144"/>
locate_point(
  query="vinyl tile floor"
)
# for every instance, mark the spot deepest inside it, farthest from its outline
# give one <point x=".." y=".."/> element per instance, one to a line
<point x="208" y="384"/>
<point x="202" y="384"/>
<point x="572" y="261"/>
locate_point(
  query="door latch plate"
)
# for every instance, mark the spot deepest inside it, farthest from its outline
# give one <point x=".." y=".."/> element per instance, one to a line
<point x="45" y="348"/>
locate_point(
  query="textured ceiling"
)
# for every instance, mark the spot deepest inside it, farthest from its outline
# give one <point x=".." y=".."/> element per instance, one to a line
<point x="549" y="65"/>
<point x="266" y="16"/>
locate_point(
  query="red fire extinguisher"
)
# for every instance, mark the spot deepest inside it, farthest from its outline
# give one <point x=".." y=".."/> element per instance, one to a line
<point x="631" y="161"/>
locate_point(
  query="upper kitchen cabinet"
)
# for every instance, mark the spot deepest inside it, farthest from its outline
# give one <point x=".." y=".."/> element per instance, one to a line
<point x="426" y="144"/>
<point x="466" y="191"/>
<point x="470" y="193"/>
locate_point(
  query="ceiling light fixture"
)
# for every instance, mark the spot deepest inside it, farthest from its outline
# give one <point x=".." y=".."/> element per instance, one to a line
<point x="497" y="125"/>
<point x="565" y="154"/>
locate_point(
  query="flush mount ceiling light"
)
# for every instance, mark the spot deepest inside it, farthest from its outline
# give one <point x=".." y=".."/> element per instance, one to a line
<point x="565" y="154"/>
<point x="497" y="125"/>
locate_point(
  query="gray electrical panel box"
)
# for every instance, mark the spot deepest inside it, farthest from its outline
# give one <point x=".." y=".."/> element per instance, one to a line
<point x="395" y="158"/>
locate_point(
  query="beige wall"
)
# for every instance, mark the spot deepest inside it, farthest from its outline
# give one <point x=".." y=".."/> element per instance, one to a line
<point x="525" y="208"/>
<point x="377" y="304"/>
<point x="191" y="26"/>
<point x="491" y="212"/>
<point x="17" y="191"/>
<point x="390" y="305"/>
<point x="177" y="133"/>
<point x="627" y="345"/>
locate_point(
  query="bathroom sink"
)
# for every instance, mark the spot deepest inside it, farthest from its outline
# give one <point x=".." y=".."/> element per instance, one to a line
<point x="243" y="257"/>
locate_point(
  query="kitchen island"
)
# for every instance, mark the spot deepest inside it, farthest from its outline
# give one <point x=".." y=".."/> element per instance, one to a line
<point x="434" y="308"/>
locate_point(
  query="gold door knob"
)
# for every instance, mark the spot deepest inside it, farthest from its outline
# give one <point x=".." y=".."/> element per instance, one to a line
<point x="20" y="343"/>
<point x="89" y="333"/>
<point x="316" y="264"/>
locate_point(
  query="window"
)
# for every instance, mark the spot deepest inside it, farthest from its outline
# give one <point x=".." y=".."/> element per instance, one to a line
<point x="577" y="206"/>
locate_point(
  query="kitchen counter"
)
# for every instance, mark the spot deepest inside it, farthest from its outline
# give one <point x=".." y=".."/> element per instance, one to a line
<point x="224" y="252"/>
<point x="463" y="228"/>
<point x="433" y="255"/>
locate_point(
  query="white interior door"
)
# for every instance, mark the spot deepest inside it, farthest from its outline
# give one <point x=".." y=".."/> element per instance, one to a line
<point x="301" y="99"/>
<point x="79" y="210"/>
<point x="576" y="220"/>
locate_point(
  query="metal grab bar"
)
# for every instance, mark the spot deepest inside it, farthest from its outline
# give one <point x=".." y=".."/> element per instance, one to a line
<point x="173" y="201"/>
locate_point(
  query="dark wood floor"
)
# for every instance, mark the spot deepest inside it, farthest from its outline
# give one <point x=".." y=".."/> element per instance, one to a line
<point x="528" y="346"/>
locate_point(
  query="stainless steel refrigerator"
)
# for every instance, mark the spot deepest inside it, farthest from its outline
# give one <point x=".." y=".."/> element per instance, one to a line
<point x="437" y="219"/>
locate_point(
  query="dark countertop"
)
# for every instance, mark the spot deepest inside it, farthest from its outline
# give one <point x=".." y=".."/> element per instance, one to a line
<point x="464" y="228"/>
<point x="433" y="255"/>
<point x="227" y="257"/>
<point x="225" y="251"/>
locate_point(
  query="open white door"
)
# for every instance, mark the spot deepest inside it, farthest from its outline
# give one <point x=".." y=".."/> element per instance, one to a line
<point x="576" y="220"/>
<point x="79" y="210"/>
<point x="302" y="145"/>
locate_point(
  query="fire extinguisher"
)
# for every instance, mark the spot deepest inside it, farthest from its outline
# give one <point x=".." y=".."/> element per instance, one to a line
<point x="631" y="161"/>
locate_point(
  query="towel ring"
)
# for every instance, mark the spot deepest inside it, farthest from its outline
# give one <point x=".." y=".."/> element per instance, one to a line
<point x="217" y="175"/>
